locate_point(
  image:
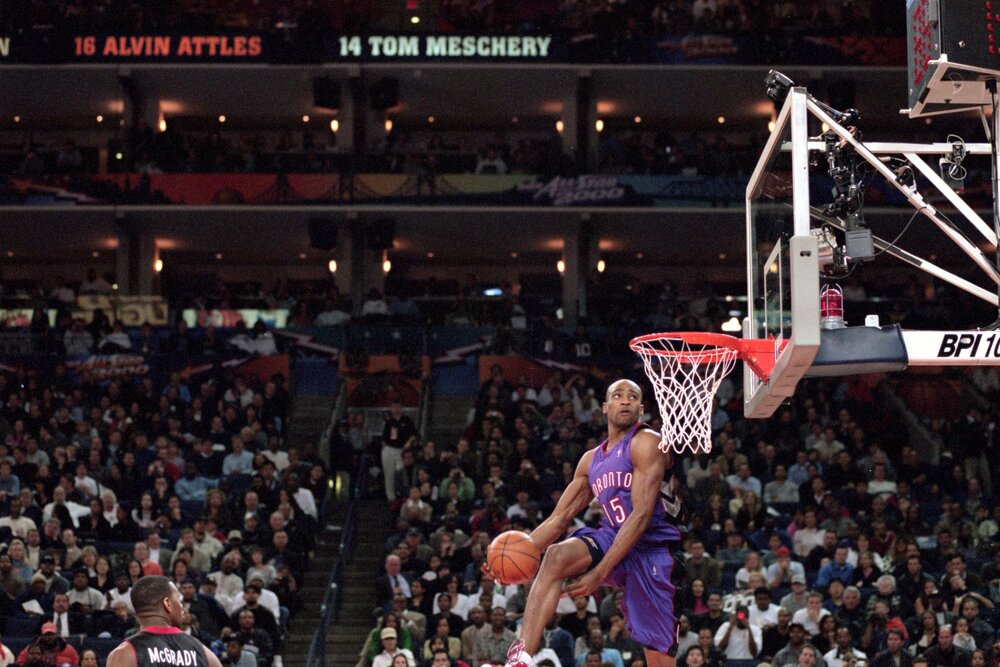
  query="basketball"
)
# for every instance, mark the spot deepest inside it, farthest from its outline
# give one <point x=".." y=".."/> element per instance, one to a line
<point x="513" y="557"/>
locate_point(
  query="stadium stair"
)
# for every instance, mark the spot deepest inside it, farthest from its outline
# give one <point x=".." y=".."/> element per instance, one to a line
<point x="312" y="589"/>
<point x="448" y="417"/>
<point x="347" y="635"/>
<point x="310" y="414"/>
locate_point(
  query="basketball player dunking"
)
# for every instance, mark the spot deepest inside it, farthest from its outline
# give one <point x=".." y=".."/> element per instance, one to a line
<point x="634" y="483"/>
<point x="160" y="642"/>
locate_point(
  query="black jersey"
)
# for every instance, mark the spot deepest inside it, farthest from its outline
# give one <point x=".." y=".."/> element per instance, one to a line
<point x="167" y="647"/>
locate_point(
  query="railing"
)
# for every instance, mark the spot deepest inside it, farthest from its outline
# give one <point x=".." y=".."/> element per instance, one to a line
<point x="333" y="598"/>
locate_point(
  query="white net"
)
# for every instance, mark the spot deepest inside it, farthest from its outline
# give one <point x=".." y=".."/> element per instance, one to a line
<point x="686" y="370"/>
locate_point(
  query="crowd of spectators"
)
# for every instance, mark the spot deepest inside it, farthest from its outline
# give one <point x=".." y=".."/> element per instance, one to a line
<point x="821" y="536"/>
<point x="102" y="483"/>
<point x="614" y="17"/>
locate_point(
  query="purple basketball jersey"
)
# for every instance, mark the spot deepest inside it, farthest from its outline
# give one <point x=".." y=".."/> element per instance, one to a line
<point x="610" y="479"/>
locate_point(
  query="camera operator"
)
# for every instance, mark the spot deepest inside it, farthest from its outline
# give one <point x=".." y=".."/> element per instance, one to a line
<point x="880" y="621"/>
<point x="737" y="638"/>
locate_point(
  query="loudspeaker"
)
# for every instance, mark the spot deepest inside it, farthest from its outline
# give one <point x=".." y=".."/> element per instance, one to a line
<point x="381" y="234"/>
<point x="384" y="93"/>
<point x="322" y="234"/>
<point x="326" y="92"/>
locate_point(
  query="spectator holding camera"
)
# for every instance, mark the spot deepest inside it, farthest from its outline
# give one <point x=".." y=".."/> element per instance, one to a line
<point x="737" y="638"/>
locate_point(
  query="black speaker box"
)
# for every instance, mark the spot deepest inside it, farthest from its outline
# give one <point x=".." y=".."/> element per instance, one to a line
<point x="326" y="92"/>
<point x="322" y="234"/>
<point x="384" y="93"/>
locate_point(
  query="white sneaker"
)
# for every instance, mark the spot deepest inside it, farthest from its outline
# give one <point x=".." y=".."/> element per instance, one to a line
<point x="516" y="655"/>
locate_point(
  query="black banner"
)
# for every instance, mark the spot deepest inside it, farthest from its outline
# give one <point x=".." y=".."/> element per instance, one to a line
<point x="44" y="45"/>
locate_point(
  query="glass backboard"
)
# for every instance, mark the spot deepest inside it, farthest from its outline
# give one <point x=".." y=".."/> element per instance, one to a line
<point x="782" y="260"/>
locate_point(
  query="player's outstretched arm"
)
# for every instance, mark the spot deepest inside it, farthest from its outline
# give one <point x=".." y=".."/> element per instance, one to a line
<point x="647" y="476"/>
<point x="574" y="500"/>
<point x="123" y="656"/>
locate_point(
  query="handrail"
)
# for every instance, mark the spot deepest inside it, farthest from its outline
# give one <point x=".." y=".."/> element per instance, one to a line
<point x="333" y="597"/>
<point x="424" y="412"/>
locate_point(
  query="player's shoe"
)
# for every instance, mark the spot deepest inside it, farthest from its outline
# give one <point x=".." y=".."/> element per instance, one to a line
<point x="516" y="655"/>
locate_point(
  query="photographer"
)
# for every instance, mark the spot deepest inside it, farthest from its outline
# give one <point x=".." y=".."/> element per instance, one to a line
<point x="737" y="638"/>
<point x="880" y="621"/>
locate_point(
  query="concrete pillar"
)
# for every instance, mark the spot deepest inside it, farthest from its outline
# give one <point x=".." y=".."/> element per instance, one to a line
<point x="345" y="117"/>
<point x="578" y="252"/>
<point x="134" y="259"/>
<point x="584" y="120"/>
<point x="357" y="93"/>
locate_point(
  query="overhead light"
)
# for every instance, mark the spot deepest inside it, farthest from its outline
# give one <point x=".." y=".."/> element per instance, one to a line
<point x="118" y="155"/>
<point x="514" y="119"/>
<point x="560" y="126"/>
<point x="561" y="266"/>
<point x="722" y="255"/>
<point x="414" y="20"/>
<point x="771" y="125"/>
<point x="302" y="255"/>
<point x="114" y="286"/>
<point x="599" y="125"/>
<point x="732" y="325"/>
<point x="639" y="255"/>
<point x="430" y="120"/>
<point x="601" y="266"/>
<point x="637" y="119"/>
<point x="305" y="119"/>
<point x="825" y="127"/>
<point x="100" y="118"/>
<point x="95" y="254"/>
<point x="721" y="120"/>
<point x="430" y="255"/>
<point x="218" y="255"/>
<point x="331" y="265"/>
<point x="513" y="255"/>
<point x="222" y="118"/>
<point x="386" y="264"/>
<point x="158" y="265"/>
<point x="10" y="253"/>
<point x="162" y="125"/>
<point x="388" y="125"/>
<point x="334" y="125"/>
<point x="17" y="119"/>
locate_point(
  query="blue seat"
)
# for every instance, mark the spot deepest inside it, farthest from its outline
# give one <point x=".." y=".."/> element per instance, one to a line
<point x="112" y="548"/>
<point x="102" y="647"/>
<point x="17" y="644"/>
<point x="19" y="626"/>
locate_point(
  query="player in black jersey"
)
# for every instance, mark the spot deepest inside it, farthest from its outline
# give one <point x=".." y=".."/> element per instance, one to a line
<point x="160" y="642"/>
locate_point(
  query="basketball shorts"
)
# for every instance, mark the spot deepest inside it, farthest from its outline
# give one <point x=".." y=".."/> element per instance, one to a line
<point x="649" y="576"/>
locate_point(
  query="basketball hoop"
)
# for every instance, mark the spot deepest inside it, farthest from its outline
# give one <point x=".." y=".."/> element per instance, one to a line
<point x="686" y="369"/>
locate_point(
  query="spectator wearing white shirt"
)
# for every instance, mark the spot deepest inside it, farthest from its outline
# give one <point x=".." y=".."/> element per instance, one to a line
<point x="763" y="612"/>
<point x="228" y="585"/>
<point x="738" y="638"/>
<point x="274" y="454"/>
<point x="84" y="482"/>
<point x="304" y="497"/>
<point x="843" y="654"/>
<point x="89" y="599"/>
<point x="19" y="524"/>
<point x="810" y="616"/>
<point x="390" y="649"/>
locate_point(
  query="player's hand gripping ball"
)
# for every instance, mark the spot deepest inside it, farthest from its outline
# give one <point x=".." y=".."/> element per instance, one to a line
<point x="513" y="558"/>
